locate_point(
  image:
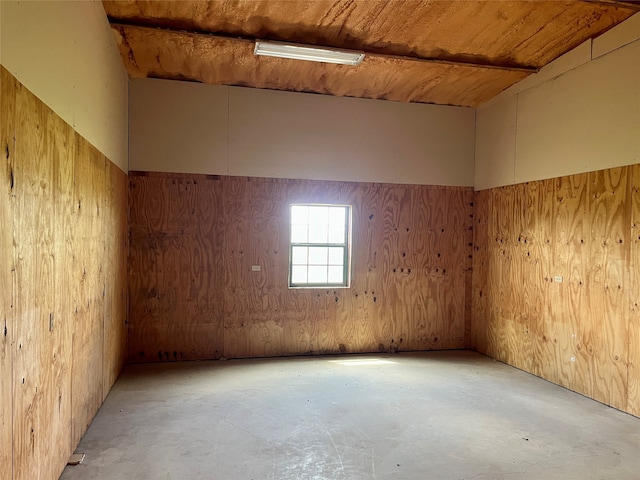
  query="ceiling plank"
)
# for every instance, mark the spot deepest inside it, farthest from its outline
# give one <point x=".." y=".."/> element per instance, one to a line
<point x="158" y="53"/>
<point x="617" y="3"/>
<point x="504" y="33"/>
<point x="453" y="52"/>
<point x="367" y="53"/>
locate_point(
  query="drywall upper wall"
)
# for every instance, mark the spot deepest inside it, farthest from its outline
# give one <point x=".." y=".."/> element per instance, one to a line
<point x="195" y="128"/>
<point x="581" y="113"/>
<point x="178" y="127"/>
<point x="65" y="54"/>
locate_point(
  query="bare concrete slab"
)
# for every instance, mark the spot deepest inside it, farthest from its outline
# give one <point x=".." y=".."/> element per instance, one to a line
<point x="435" y="415"/>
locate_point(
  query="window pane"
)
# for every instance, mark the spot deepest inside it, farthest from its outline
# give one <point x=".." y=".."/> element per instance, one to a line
<point x="317" y="274"/>
<point x="318" y="232"/>
<point x="336" y="234"/>
<point x="299" y="214"/>
<point x="318" y="255"/>
<point x="319" y="214"/>
<point x="336" y="256"/>
<point x="337" y="215"/>
<point x="299" y="233"/>
<point x="336" y="274"/>
<point x="298" y="274"/>
<point x="299" y="255"/>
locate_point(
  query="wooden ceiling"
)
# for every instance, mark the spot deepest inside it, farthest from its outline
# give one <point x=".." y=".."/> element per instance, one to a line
<point x="460" y="52"/>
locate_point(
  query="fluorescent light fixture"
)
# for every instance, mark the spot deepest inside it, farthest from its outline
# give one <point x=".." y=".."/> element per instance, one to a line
<point x="306" y="52"/>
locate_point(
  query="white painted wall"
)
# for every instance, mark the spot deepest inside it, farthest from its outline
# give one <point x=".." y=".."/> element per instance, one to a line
<point x="178" y="127"/>
<point x="195" y="128"/>
<point x="580" y="113"/>
<point x="64" y="53"/>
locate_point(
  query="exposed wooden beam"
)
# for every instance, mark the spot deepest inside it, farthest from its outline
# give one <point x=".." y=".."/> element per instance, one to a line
<point x="520" y="68"/>
<point x="616" y="3"/>
<point x="216" y="60"/>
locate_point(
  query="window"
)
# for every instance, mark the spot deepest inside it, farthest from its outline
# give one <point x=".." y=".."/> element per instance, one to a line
<point x="320" y="246"/>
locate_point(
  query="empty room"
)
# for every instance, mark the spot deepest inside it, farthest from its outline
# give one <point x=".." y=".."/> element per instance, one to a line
<point x="325" y="239"/>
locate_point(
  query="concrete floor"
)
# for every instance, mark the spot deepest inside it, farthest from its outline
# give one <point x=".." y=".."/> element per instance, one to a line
<point x="436" y="415"/>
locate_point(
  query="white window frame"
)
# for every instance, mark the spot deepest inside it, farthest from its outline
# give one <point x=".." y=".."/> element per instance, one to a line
<point x="345" y="245"/>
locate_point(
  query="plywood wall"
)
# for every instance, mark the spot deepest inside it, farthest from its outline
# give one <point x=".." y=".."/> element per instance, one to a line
<point x="633" y="404"/>
<point x="7" y="91"/>
<point x="64" y="53"/>
<point x="556" y="281"/>
<point x="64" y="246"/>
<point x="194" y="295"/>
<point x="116" y="231"/>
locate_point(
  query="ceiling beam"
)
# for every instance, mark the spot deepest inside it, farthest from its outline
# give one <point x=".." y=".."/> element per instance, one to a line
<point x="616" y="3"/>
<point x="215" y="60"/>
<point x="443" y="61"/>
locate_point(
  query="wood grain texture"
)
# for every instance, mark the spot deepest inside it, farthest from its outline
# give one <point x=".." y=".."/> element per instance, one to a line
<point x="540" y="219"/>
<point x="503" y="33"/>
<point x="176" y="269"/>
<point x="569" y="254"/>
<point x="608" y="278"/>
<point x="34" y="304"/>
<point x="519" y="337"/>
<point x="89" y="286"/>
<point x="7" y="150"/>
<point x="471" y="218"/>
<point x="51" y="358"/>
<point x="481" y="320"/>
<point x="116" y="239"/>
<point x="633" y="379"/>
<point x="55" y="354"/>
<point x="411" y="259"/>
<point x="175" y="40"/>
<point x="154" y="53"/>
<point x="554" y="281"/>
